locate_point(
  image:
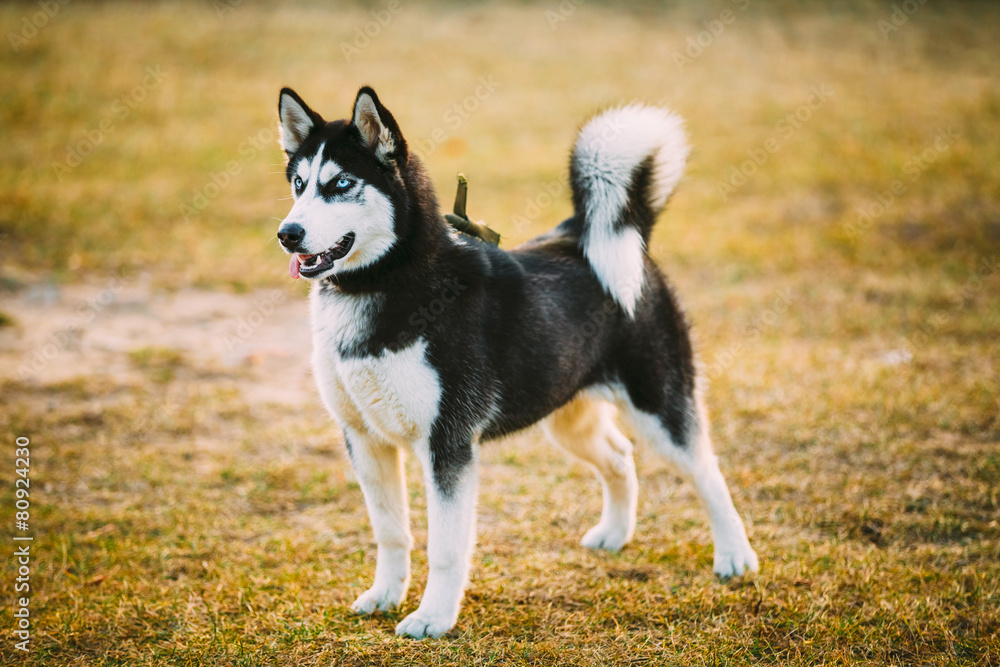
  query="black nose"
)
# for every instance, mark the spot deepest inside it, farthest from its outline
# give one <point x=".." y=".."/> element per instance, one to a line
<point x="290" y="235"/>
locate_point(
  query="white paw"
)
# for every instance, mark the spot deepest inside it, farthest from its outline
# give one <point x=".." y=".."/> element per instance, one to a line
<point x="608" y="537"/>
<point x="377" y="599"/>
<point x="421" y="625"/>
<point x="732" y="562"/>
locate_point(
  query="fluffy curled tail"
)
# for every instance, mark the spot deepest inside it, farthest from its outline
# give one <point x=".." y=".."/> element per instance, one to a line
<point x="625" y="164"/>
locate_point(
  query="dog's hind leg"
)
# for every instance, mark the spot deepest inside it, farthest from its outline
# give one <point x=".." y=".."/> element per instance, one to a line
<point x="694" y="457"/>
<point x="380" y="473"/>
<point x="585" y="427"/>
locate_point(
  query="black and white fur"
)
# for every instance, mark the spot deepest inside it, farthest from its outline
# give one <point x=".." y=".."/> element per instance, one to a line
<point x="429" y="342"/>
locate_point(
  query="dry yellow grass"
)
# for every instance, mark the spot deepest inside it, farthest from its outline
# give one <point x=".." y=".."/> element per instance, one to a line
<point x="190" y="501"/>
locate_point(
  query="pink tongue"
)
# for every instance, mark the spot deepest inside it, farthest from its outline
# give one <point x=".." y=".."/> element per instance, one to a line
<point x="293" y="267"/>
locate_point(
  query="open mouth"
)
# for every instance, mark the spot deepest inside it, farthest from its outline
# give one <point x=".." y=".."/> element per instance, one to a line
<point x="310" y="266"/>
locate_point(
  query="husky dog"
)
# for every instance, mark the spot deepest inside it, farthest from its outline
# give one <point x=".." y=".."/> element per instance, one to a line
<point x="430" y="342"/>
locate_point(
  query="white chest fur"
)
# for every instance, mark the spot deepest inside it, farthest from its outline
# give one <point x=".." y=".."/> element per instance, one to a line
<point x="342" y="320"/>
<point x="393" y="396"/>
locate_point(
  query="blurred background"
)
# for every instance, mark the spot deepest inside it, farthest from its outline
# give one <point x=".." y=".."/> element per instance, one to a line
<point x="836" y="242"/>
<point x="122" y="119"/>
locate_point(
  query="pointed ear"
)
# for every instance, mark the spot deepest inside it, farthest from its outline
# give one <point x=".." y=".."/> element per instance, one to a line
<point x="379" y="129"/>
<point x="295" y="120"/>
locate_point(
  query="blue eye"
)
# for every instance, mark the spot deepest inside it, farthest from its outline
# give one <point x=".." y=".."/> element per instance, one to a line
<point x="343" y="183"/>
<point x="297" y="182"/>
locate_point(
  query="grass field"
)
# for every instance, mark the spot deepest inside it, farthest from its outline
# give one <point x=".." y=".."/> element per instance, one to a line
<point x="836" y="242"/>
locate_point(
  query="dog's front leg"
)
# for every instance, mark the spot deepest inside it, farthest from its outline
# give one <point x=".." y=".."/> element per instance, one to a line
<point x="379" y="469"/>
<point x="451" y="477"/>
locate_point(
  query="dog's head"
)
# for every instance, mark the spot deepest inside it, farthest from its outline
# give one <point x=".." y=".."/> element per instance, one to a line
<point x="347" y="183"/>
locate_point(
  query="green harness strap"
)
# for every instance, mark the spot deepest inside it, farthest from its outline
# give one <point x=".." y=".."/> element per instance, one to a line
<point x="460" y="221"/>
